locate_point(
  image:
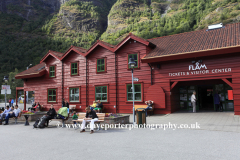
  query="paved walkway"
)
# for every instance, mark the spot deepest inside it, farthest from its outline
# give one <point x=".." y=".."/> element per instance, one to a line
<point x="214" y="121"/>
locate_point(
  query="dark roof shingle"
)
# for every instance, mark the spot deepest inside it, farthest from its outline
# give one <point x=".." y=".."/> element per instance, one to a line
<point x="228" y="36"/>
<point x="33" y="70"/>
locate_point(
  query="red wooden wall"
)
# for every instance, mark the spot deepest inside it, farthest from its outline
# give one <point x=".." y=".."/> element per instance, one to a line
<point x="102" y="79"/>
<point x="41" y="85"/>
<point x="117" y="71"/>
<point x="125" y="75"/>
<point x="162" y="78"/>
<point x="76" y="80"/>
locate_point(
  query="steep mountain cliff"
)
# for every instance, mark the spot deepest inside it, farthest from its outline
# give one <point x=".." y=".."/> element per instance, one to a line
<point x="155" y="18"/>
<point x="29" y="28"/>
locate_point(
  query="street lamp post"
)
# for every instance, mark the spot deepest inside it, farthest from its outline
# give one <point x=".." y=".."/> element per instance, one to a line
<point x="26" y="98"/>
<point x="132" y="64"/>
<point x="5" y="79"/>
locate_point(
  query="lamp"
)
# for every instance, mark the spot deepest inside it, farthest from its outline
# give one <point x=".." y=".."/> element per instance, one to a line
<point x="5" y="79"/>
<point x="132" y="64"/>
<point x="29" y="66"/>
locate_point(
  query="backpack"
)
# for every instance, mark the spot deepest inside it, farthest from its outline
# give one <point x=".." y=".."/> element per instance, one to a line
<point x="36" y="123"/>
<point x="40" y="123"/>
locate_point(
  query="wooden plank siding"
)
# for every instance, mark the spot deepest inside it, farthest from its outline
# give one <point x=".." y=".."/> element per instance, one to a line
<point x="41" y="85"/>
<point x="76" y="81"/>
<point x="161" y="76"/>
<point x="125" y="76"/>
<point x="117" y="76"/>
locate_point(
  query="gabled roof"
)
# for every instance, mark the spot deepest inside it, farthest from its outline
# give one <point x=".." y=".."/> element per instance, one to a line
<point x="78" y="50"/>
<point x="55" y="54"/>
<point x="102" y="44"/>
<point x="196" y="41"/>
<point x="136" y="38"/>
<point x="35" y="71"/>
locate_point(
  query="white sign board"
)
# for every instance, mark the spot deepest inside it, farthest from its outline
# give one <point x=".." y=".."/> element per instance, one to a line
<point x="135" y="79"/>
<point x="8" y="91"/>
<point x="6" y="87"/>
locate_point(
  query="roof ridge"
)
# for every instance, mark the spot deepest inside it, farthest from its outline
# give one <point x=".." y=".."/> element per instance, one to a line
<point x="188" y="32"/>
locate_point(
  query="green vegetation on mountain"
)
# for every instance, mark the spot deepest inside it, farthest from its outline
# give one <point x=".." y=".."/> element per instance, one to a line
<point x="26" y="38"/>
<point x="28" y="31"/>
<point x="156" y="18"/>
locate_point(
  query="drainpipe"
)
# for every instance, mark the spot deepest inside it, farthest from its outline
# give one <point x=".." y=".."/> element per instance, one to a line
<point x="86" y="83"/>
<point x="151" y="73"/>
<point x="116" y="81"/>
<point x="62" y="81"/>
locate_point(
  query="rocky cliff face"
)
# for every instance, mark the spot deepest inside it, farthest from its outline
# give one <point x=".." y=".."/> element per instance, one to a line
<point x="28" y="9"/>
<point x="127" y="12"/>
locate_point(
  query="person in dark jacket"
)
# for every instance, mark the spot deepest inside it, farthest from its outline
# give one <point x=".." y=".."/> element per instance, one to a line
<point x="91" y="117"/>
<point x="216" y="101"/>
<point x="66" y="104"/>
<point x="63" y="103"/>
<point x="51" y="113"/>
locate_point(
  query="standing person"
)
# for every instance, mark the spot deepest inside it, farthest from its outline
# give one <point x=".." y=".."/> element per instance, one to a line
<point x="91" y="117"/>
<point x="63" y="103"/>
<point x="66" y="104"/>
<point x="149" y="107"/>
<point x="12" y="101"/>
<point x="216" y="101"/>
<point x="9" y="102"/>
<point x="193" y="101"/>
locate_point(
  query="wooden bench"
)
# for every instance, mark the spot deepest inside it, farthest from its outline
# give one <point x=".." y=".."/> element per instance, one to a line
<point x="15" y="118"/>
<point x="101" y="118"/>
<point x="72" y="107"/>
<point x="143" y="107"/>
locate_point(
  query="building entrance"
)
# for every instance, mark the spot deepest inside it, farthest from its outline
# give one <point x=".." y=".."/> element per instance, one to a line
<point x="205" y="96"/>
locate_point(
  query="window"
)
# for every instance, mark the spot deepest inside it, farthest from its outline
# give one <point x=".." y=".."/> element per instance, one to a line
<point x="74" y="68"/>
<point x="135" y="57"/>
<point x="137" y="91"/>
<point x="52" y="71"/>
<point x="74" y="94"/>
<point x="101" y="93"/>
<point x="100" y="65"/>
<point x="52" y="95"/>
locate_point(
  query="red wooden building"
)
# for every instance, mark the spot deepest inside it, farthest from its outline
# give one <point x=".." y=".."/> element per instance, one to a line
<point x="169" y="69"/>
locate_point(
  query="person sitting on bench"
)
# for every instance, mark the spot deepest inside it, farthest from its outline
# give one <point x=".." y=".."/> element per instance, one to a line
<point x="149" y="107"/>
<point x="93" y="105"/>
<point x="33" y="106"/>
<point x="13" y="113"/>
<point x="91" y="117"/>
<point x="99" y="106"/>
<point x="5" y="113"/>
<point x="50" y="114"/>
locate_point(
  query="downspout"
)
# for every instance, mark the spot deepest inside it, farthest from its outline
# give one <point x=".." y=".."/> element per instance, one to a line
<point x="62" y="82"/>
<point x="86" y="83"/>
<point x="116" y="81"/>
<point x="151" y="73"/>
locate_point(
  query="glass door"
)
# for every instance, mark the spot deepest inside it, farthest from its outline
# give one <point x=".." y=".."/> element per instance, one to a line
<point x="185" y="97"/>
<point x="222" y="90"/>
